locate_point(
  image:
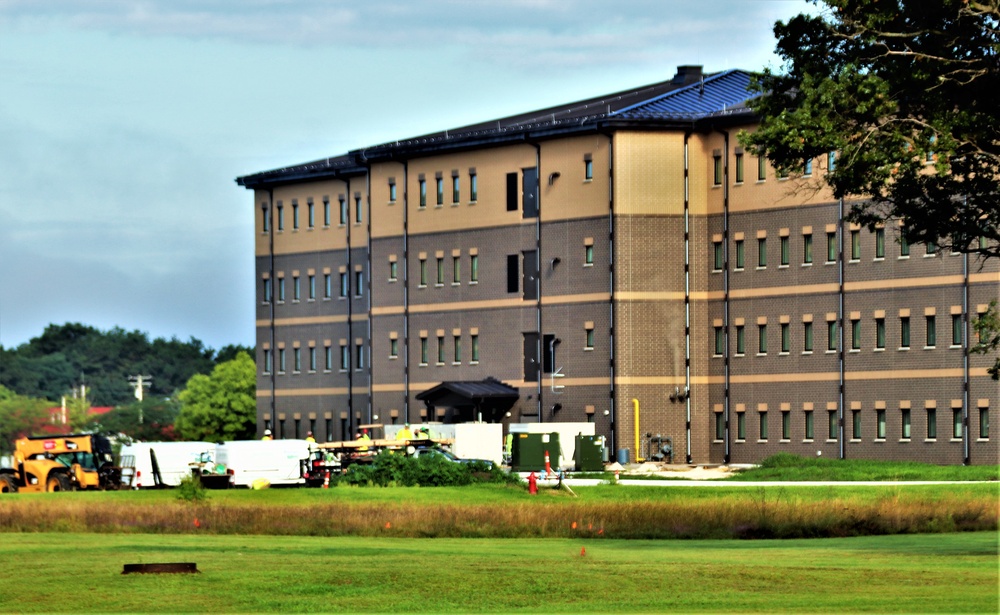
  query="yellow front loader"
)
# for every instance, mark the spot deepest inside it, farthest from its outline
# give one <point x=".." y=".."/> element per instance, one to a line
<point x="61" y="463"/>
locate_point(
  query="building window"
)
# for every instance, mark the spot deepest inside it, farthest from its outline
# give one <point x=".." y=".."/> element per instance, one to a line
<point x="762" y="252"/>
<point x="741" y="345"/>
<point x="295" y="216"/>
<point x="440" y="271"/>
<point x="904" y="244"/>
<point x="739" y="167"/>
<point x="807" y="248"/>
<point x="281" y="218"/>
<point x="392" y="191"/>
<point x="720" y="426"/>
<point x="761" y="339"/>
<point x="281" y="360"/>
<point x="357" y="208"/>
<point x="345" y="358"/>
<point x="440" y="350"/>
<point x="326" y="212"/>
<point x="739" y="254"/>
<point x="359" y="355"/>
<point x="880" y="333"/>
<point x="984" y="423"/>
<point x="312" y="358"/>
<point x="831" y="247"/>
<point x="423" y="192"/>
<point x="456" y="269"/>
<point x="439" y="182"/>
<point x="296" y="292"/>
<point x="265" y="220"/>
<point x="473" y="268"/>
<point x="904" y="331"/>
<point x="809" y="424"/>
<point x="880" y="243"/>
<point x="393" y="348"/>
<point x="720" y="341"/>
<point x="312" y="215"/>
<point x="932" y="423"/>
<point x="312" y="287"/>
<point x="423" y="272"/>
<point x="763" y="425"/>
<point x="904" y="420"/>
<point x="281" y="290"/>
<point x="761" y="168"/>
<point x="931" y="332"/>
<point x="880" y="424"/>
<point x="931" y="248"/>
<point x="359" y="283"/>
<point x="783" y="244"/>
<point x="834" y="430"/>
<point x="956" y="329"/>
<point x="956" y="423"/>
<point x="513" y="273"/>
<point x="267" y="360"/>
<point x="393" y="271"/>
<point x="831" y="161"/>
<point x="855" y="245"/>
<point x="831" y="335"/>
<point x="327" y="358"/>
<point x="856" y="419"/>
<point x="717" y="248"/>
<point x="588" y="170"/>
<point x="267" y="290"/>
<point x="741" y="426"/>
<point x="327" y="286"/>
<point x="456" y="191"/>
<point x="473" y="186"/>
<point x="343" y="211"/>
<point x="807" y="167"/>
<point x="345" y="284"/>
<point x="588" y="255"/>
<point x="457" y="348"/>
<point x="786" y="425"/>
<point x="717" y="165"/>
<point x="423" y="351"/>
<point x="855" y="335"/>
<point x="589" y="339"/>
<point x="474" y="350"/>
<point x="786" y="338"/>
<point x="807" y="337"/>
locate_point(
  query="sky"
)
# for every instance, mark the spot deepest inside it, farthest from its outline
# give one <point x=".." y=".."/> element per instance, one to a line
<point x="124" y="123"/>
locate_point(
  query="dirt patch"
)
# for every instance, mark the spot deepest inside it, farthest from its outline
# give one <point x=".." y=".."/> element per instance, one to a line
<point x="697" y="472"/>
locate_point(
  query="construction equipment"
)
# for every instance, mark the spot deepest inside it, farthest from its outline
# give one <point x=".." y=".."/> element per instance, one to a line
<point x="61" y="463"/>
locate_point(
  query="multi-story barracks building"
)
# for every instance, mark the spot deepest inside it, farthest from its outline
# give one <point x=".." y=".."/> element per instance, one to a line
<point x="620" y="260"/>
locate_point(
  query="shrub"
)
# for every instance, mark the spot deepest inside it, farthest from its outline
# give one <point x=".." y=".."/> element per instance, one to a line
<point x="430" y="471"/>
<point x="191" y="489"/>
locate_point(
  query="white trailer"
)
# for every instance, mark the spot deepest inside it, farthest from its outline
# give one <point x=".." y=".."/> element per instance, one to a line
<point x="470" y="440"/>
<point x="280" y="462"/>
<point x="162" y="464"/>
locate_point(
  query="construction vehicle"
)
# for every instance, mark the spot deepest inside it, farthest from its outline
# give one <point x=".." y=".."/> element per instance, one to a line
<point x="61" y="463"/>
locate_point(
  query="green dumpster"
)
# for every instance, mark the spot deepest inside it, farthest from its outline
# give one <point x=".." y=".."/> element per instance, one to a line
<point x="528" y="452"/>
<point x="589" y="453"/>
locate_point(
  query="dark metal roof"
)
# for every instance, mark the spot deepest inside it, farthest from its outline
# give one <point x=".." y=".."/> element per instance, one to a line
<point x="474" y="391"/>
<point x="683" y="101"/>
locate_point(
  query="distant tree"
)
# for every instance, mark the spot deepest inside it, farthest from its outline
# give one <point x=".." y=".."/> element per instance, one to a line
<point x="229" y="352"/>
<point x="20" y="416"/>
<point x="222" y="406"/>
<point x="151" y="420"/>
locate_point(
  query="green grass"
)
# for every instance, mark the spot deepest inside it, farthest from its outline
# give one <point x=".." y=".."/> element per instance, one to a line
<point x="788" y="467"/>
<point x="54" y="573"/>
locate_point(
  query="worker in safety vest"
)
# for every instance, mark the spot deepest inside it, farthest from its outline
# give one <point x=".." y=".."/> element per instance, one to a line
<point x="363" y="437"/>
<point x="267" y="435"/>
<point x="310" y="438"/>
<point x="404" y="433"/>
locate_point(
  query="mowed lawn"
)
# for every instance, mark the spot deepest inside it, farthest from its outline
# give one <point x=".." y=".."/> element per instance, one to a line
<point x="70" y="572"/>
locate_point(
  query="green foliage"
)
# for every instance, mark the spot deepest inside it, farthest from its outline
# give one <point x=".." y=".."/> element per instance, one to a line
<point x="20" y="416"/>
<point x="65" y="356"/>
<point x="191" y="489"/>
<point x="789" y="467"/>
<point x="393" y="469"/>
<point x="987" y="327"/>
<point x="904" y="92"/>
<point x="222" y="406"/>
<point x="151" y="420"/>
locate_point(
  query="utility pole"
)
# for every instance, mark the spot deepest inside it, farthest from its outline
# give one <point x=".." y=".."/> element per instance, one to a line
<point x="138" y="382"/>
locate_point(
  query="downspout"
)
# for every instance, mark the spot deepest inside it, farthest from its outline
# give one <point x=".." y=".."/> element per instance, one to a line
<point x="611" y="287"/>
<point x="687" y="305"/>
<point x="350" y="312"/>
<point x="966" y="333"/>
<point x="538" y="276"/>
<point x="368" y="277"/>
<point x="725" y="293"/>
<point x="406" y="291"/>
<point x="841" y="324"/>
<point x="271" y="318"/>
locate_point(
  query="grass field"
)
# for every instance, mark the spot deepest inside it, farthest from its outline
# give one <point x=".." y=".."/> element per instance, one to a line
<point x="787" y="467"/>
<point x="56" y="573"/>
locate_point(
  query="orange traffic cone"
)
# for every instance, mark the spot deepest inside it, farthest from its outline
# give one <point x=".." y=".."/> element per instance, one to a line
<point x="326" y="480"/>
<point x="583" y="551"/>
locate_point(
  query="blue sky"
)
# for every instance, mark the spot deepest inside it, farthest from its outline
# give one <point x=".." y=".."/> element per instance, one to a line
<point x="123" y="123"/>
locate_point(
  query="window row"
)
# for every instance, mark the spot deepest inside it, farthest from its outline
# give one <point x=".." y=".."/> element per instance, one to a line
<point x="442" y="346"/>
<point x="443" y="269"/>
<point x="343" y="287"/>
<point x="332" y="358"/>
<point x="903" y="425"/>
<point x="831" y="330"/>
<point x="327" y="213"/>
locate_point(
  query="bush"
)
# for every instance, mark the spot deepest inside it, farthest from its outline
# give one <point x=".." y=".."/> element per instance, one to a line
<point x="390" y="469"/>
<point x="191" y="489"/>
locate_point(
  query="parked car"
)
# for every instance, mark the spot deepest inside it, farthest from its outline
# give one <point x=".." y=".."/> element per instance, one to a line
<point x="437" y="452"/>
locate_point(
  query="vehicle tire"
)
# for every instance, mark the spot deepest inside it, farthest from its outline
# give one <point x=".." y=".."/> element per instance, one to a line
<point x="8" y="484"/>
<point x="58" y="482"/>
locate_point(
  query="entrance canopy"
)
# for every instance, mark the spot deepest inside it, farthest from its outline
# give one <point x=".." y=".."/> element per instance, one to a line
<point x="470" y="400"/>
